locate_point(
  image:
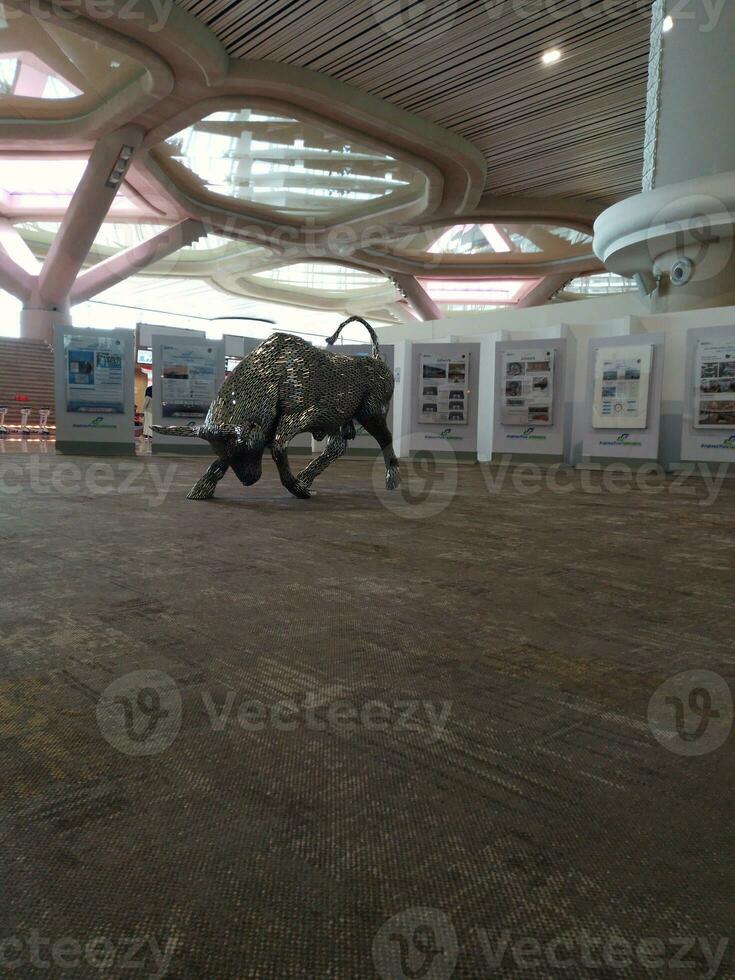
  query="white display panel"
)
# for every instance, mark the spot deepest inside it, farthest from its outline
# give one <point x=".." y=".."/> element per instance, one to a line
<point x="622" y="382"/>
<point x="527" y="396"/>
<point x="714" y="397"/>
<point x="443" y="388"/>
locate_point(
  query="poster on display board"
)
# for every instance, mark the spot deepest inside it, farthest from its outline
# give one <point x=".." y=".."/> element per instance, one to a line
<point x="444" y="389"/>
<point x="188" y="379"/>
<point x="715" y="385"/>
<point x="622" y="381"/>
<point x="94" y="374"/>
<point x="528" y="387"/>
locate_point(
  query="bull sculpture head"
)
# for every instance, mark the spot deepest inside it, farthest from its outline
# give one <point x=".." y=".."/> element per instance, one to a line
<point x="240" y="447"/>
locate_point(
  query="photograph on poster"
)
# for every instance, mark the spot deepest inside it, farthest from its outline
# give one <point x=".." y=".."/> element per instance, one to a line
<point x="94" y="374"/>
<point x="715" y="385"/>
<point x="443" y="392"/>
<point x="528" y="377"/>
<point x="621" y="385"/>
<point x="188" y="380"/>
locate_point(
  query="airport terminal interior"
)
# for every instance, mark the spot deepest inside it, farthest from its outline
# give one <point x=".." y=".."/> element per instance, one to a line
<point x="367" y="498"/>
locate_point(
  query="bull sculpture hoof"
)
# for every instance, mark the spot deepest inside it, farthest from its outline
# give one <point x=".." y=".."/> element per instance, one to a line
<point x="200" y="492"/>
<point x="284" y="387"/>
<point x="299" y="489"/>
<point x="392" y="478"/>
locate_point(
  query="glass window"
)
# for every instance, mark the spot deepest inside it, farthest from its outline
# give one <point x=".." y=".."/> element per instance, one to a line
<point x="284" y="164"/>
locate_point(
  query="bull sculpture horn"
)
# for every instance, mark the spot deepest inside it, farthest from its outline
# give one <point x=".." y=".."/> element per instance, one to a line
<point x="191" y="431"/>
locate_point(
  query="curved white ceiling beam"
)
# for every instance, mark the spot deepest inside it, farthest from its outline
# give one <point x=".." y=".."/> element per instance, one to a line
<point x="49" y="124"/>
<point x="500" y="264"/>
<point x="131" y="261"/>
<point x="189" y="191"/>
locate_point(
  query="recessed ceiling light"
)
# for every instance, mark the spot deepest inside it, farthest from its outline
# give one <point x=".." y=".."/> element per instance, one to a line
<point x="668" y="24"/>
<point x="551" y="57"/>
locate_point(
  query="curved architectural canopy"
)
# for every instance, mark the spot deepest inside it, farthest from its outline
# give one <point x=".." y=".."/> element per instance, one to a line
<point x="267" y="175"/>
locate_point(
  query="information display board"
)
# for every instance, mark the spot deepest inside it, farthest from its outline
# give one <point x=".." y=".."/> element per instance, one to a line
<point x="622" y="385"/>
<point x="188" y="379"/>
<point x="443" y="388"/>
<point x="708" y="420"/>
<point x="715" y="385"/>
<point x="528" y="386"/>
<point x="94" y="373"/>
<point x="529" y="381"/>
<point x="94" y="378"/>
<point x="187" y="374"/>
<point x="626" y="424"/>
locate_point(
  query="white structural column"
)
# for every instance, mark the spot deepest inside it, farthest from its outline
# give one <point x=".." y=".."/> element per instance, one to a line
<point x="544" y="291"/>
<point x="49" y="302"/>
<point x="420" y="301"/>
<point x="111" y="271"/>
<point x="678" y="236"/>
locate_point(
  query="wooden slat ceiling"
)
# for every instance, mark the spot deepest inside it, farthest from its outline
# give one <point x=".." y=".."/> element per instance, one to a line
<point x="574" y="129"/>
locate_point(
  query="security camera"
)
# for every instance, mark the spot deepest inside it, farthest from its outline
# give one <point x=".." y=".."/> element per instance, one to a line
<point x="681" y="272"/>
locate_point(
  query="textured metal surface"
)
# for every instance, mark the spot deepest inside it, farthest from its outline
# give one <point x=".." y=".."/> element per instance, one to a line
<point x="286" y="386"/>
<point x="546" y="807"/>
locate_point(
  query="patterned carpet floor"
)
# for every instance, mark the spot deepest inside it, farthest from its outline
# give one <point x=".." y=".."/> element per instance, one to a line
<point x="431" y="734"/>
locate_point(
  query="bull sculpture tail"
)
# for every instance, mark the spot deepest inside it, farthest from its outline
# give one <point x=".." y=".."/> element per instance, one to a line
<point x="373" y="336"/>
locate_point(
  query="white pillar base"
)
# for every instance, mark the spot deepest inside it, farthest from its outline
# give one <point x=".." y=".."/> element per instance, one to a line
<point x="38" y="324"/>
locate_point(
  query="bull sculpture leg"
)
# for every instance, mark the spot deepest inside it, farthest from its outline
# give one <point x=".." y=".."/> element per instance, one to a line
<point x="204" y="488"/>
<point x="336" y="447"/>
<point x="377" y="427"/>
<point x="285" y="431"/>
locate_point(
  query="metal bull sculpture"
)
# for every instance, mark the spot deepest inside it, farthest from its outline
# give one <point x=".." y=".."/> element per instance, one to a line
<point x="284" y="387"/>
